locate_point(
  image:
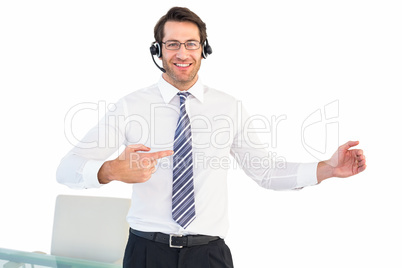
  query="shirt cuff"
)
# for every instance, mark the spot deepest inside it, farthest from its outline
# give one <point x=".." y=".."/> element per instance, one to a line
<point x="307" y="175"/>
<point x="90" y="174"/>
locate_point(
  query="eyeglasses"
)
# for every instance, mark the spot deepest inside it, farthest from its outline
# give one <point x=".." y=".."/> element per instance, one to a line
<point x="175" y="45"/>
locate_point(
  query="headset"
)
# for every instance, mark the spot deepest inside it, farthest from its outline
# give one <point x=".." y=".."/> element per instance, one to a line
<point x="156" y="50"/>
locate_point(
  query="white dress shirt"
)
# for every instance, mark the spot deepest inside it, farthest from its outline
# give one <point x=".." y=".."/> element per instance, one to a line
<point x="223" y="138"/>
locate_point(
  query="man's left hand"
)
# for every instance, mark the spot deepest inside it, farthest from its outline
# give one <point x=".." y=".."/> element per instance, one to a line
<point x="345" y="162"/>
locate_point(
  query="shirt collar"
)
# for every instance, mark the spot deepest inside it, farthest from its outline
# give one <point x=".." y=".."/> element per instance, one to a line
<point x="168" y="91"/>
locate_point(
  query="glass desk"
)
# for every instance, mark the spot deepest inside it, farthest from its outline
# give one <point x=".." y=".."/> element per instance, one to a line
<point x="15" y="259"/>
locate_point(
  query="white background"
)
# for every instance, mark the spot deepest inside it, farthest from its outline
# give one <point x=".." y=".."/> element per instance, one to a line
<point x="280" y="57"/>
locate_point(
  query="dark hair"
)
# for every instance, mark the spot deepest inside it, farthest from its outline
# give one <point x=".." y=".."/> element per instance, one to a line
<point x="179" y="14"/>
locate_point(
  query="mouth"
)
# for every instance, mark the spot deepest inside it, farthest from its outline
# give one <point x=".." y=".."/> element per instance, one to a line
<point x="183" y="65"/>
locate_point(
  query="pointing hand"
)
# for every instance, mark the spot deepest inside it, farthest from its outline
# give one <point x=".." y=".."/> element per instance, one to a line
<point x="132" y="166"/>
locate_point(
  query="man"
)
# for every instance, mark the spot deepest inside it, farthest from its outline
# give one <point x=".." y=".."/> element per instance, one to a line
<point x="179" y="209"/>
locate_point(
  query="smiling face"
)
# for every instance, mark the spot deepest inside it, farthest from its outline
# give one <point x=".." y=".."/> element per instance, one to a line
<point x="181" y="65"/>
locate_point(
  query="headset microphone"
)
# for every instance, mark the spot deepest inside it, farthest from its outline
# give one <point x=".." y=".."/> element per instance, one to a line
<point x="160" y="68"/>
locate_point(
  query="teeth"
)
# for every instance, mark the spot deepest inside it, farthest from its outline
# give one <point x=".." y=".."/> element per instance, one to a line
<point x="182" y="65"/>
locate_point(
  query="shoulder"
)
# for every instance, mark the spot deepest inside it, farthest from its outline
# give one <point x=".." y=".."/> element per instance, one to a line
<point x="151" y="92"/>
<point x="215" y="95"/>
<point x="218" y="102"/>
<point x="138" y="100"/>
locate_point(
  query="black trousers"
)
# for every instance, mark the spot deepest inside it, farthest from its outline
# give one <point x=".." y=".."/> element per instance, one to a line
<point x="144" y="253"/>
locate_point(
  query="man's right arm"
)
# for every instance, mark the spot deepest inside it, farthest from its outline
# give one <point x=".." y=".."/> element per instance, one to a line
<point x="79" y="168"/>
<point x="132" y="166"/>
<point x="86" y="165"/>
<point x="78" y="172"/>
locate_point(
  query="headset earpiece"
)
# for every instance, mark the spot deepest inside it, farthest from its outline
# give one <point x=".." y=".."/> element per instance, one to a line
<point x="207" y="49"/>
<point x="156" y="49"/>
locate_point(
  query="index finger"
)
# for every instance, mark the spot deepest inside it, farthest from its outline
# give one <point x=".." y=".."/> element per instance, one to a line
<point x="160" y="154"/>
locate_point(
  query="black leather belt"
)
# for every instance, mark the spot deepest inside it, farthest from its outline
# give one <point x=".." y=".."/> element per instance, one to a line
<point x="176" y="241"/>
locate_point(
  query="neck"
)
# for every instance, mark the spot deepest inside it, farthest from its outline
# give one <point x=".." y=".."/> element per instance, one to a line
<point x="182" y="86"/>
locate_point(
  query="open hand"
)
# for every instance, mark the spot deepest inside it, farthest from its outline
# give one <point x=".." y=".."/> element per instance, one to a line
<point x="345" y="162"/>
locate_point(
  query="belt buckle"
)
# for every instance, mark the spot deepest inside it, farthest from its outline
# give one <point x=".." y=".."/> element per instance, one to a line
<point x="170" y="241"/>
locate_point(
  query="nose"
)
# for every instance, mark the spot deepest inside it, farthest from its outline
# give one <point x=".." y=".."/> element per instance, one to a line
<point x="182" y="53"/>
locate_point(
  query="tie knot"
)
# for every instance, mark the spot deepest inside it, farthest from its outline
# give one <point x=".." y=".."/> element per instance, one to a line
<point x="184" y="94"/>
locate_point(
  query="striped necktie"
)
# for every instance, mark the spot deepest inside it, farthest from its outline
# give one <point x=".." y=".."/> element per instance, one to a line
<point x="183" y="206"/>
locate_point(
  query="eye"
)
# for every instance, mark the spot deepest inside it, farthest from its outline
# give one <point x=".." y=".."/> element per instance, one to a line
<point x="192" y="44"/>
<point x="172" y="45"/>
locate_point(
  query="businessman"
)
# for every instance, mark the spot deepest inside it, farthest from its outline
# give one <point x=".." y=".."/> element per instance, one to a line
<point x="178" y="135"/>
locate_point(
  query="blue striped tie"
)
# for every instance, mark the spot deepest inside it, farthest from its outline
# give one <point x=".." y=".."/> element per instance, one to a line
<point x="183" y="206"/>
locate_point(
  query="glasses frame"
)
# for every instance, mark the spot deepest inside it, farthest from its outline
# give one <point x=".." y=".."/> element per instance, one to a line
<point x="185" y="44"/>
